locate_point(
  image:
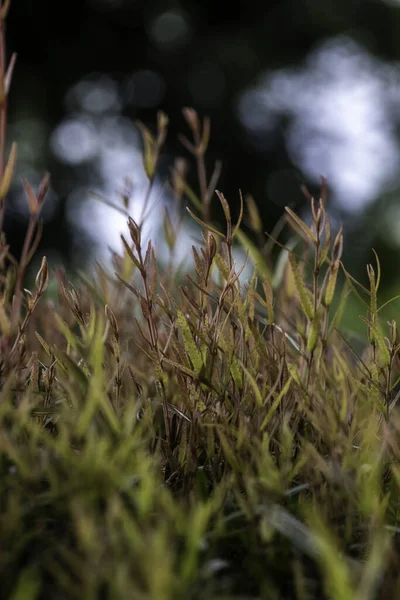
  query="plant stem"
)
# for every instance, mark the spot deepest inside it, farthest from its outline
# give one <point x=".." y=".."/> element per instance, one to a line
<point x="3" y="109"/>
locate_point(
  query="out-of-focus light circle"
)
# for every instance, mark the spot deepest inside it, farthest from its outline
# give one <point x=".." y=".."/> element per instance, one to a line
<point x="340" y="114"/>
<point x="75" y="141"/>
<point x="254" y="112"/>
<point x="169" y="29"/>
<point x="144" y="89"/>
<point x="95" y="95"/>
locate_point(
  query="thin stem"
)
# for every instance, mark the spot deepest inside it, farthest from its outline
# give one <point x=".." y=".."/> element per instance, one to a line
<point x="202" y="175"/>
<point x="3" y="108"/>
<point x="21" y="270"/>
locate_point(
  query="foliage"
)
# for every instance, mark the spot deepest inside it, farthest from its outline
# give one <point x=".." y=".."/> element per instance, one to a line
<point x="216" y="439"/>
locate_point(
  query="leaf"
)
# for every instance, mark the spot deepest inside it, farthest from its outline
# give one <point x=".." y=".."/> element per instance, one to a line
<point x="239" y="221"/>
<point x="277" y="402"/>
<point x="31" y="197"/>
<point x="331" y="284"/>
<point x="314" y="332"/>
<point x="189" y="193"/>
<point x="236" y="372"/>
<point x="350" y="281"/>
<point x="380" y="341"/>
<point x="253" y="384"/>
<point x="228" y="452"/>
<point x="169" y="231"/>
<point x="255" y="255"/>
<point x="130" y="253"/>
<point x="378" y="266"/>
<point x="306" y="230"/>
<point x="8" y="172"/>
<point x="255" y="220"/>
<point x="203" y="224"/>
<point x="75" y="372"/>
<point x="301" y="288"/>
<point x="96" y="397"/>
<point x="180" y="367"/>
<point x="28" y="584"/>
<point x="334" y="565"/>
<point x="373" y="287"/>
<point x="193" y="352"/>
<point x="325" y="250"/>
<point x="65" y="330"/>
<point x="149" y="150"/>
<point x="222" y="266"/>
<point x="5" y="323"/>
<point x="43" y="344"/>
<point x="225" y="206"/>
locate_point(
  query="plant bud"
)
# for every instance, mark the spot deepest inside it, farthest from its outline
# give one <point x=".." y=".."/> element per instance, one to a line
<point x="134" y="231"/>
<point x="113" y="321"/>
<point x="42" y="278"/>
<point x="8" y="172"/>
<point x="338" y="246"/>
<point x="211" y="246"/>
<point x="43" y="189"/>
<point x="192" y="119"/>
<point x="31" y="197"/>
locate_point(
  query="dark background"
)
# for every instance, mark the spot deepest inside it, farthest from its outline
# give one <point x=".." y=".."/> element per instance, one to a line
<point x="295" y="89"/>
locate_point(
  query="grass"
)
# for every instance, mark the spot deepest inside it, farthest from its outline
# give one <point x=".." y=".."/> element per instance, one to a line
<point x="204" y="439"/>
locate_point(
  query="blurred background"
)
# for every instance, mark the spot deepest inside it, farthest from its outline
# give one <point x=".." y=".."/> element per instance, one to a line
<point x="295" y="89"/>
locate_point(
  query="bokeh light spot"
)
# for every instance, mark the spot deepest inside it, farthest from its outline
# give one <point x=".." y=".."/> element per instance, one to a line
<point x="170" y="30"/>
<point x="75" y="141"/>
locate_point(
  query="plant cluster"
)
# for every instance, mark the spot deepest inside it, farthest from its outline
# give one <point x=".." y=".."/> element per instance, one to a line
<point x="206" y="439"/>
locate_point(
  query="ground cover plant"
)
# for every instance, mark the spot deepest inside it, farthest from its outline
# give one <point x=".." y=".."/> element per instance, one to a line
<point x="171" y="435"/>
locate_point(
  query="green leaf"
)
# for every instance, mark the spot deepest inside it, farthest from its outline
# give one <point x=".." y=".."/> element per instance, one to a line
<point x="306" y="230"/>
<point x="28" y="585"/>
<point x="301" y="288"/>
<point x="193" y="352"/>
<point x="276" y="403"/>
<point x="255" y="255"/>
<point x="43" y="344"/>
<point x="253" y="384"/>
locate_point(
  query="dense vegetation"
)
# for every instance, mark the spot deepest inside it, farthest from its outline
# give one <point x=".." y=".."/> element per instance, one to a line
<point x="169" y="436"/>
